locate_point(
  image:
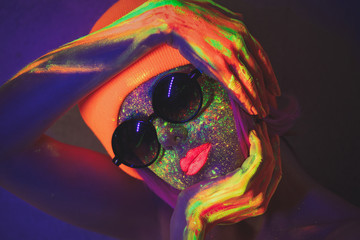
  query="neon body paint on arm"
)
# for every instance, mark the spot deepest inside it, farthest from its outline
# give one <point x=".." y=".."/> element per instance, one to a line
<point x="179" y="23"/>
<point x="68" y="69"/>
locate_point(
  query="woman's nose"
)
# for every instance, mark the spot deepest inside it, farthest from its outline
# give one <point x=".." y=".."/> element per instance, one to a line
<point x="170" y="135"/>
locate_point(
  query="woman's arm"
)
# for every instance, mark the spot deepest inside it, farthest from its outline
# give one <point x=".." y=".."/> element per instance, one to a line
<point x="73" y="184"/>
<point x="81" y="187"/>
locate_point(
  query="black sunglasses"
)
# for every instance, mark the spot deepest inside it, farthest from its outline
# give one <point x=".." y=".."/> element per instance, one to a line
<point x="176" y="98"/>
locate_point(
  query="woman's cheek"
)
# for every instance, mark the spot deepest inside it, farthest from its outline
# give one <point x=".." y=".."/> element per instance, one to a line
<point x="166" y="167"/>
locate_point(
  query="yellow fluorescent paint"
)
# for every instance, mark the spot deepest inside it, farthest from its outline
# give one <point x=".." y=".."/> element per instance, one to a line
<point x="227" y="199"/>
<point x="253" y="202"/>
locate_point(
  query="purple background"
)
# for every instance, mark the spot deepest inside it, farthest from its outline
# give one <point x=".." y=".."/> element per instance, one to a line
<point x="314" y="51"/>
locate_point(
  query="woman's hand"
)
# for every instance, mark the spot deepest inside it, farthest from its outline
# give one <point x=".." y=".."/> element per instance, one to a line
<point x="229" y="199"/>
<point x="213" y="39"/>
<point x="217" y="42"/>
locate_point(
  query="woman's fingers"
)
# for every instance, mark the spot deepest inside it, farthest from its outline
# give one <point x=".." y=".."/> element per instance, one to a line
<point x="242" y="64"/>
<point x="252" y="163"/>
<point x="258" y="83"/>
<point x="234" y="39"/>
<point x="213" y="43"/>
<point x="254" y="98"/>
<point x="264" y="62"/>
<point x="260" y="164"/>
<point x="269" y="174"/>
<point x="218" y="39"/>
<point x="229" y="71"/>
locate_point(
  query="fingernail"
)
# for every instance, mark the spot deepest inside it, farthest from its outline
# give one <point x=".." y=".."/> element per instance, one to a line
<point x="252" y="135"/>
<point x="253" y="110"/>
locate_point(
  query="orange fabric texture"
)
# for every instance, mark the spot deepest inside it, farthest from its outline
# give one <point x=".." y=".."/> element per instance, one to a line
<point x="101" y="108"/>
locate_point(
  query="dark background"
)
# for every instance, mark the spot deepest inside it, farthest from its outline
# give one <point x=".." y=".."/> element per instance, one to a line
<point x="313" y="46"/>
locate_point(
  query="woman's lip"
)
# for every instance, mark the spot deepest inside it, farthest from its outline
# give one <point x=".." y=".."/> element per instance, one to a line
<point x="195" y="159"/>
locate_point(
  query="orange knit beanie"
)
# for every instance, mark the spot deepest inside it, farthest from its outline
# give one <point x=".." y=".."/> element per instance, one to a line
<point x="101" y="108"/>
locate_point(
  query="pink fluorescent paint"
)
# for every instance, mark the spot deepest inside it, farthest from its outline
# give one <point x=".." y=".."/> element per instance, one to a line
<point x="195" y="159"/>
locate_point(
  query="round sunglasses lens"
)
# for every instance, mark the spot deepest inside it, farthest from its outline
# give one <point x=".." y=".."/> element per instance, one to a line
<point x="135" y="143"/>
<point x="177" y="98"/>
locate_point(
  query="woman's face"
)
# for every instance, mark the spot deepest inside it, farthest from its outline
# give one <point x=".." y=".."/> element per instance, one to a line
<point x="205" y="147"/>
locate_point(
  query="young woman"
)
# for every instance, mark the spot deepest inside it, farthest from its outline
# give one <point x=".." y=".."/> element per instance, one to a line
<point x="84" y="188"/>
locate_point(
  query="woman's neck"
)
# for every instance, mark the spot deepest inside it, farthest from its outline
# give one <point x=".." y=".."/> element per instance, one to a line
<point x="301" y="208"/>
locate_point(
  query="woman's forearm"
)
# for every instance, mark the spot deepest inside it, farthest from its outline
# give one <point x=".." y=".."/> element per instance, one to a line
<point x="36" y="96"/>
<point x="68" y="182"/>
<point x="30" y="103"/>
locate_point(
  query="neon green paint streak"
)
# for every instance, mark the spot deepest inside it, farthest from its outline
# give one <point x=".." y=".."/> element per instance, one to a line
<point x="201" y="53"/>
<point x="217" y="44"/>
<point x="194" y="206"/>
<point x="179" y="10"/>
<point x="246" y="53"/>
<point x="146" y="7"/>
<point x="221" y="7"/>
<point x="228" y="32"/>
<point x="137" y="12"/>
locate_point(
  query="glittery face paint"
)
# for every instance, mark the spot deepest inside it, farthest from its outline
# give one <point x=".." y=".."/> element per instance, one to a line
<point x="210" y="137"/>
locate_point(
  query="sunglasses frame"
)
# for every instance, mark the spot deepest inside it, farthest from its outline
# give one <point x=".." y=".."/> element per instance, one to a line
<point x="193" y="75"/>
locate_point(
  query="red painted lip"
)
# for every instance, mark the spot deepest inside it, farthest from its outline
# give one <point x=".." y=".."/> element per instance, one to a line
<point x="195" y="159"/>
